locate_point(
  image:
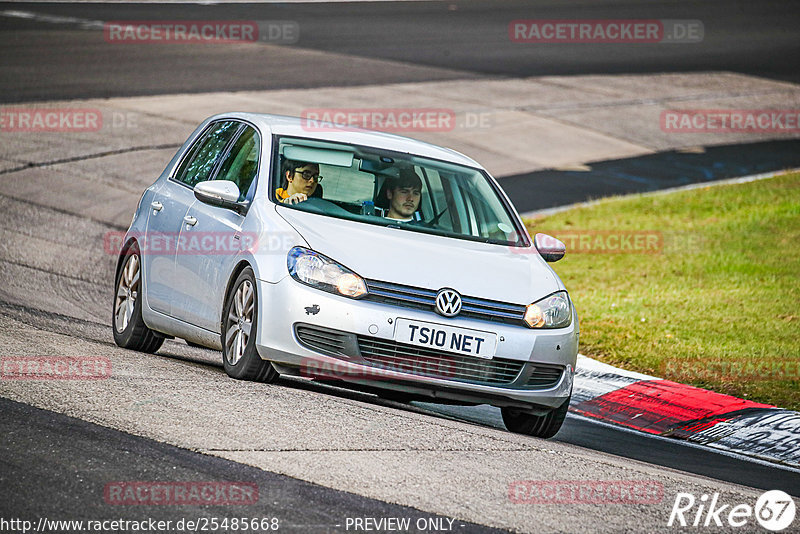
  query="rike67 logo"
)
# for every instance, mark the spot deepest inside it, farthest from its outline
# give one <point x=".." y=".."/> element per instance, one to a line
<point x="774" y="510"/>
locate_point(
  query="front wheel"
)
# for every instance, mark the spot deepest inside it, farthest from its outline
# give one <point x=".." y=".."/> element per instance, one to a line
<point x="130" y="332"/>
<point x="240" y="322"/>
<point x="541" y="426"/>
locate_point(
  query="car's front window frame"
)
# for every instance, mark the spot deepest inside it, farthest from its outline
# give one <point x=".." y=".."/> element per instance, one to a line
<point x="523" y="239"/>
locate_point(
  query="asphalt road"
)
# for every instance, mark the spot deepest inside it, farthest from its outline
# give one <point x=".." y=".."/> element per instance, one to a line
<point x="55" y="290"/>
<point x="58" y="468"/>
<point x="55" y="282"/>
<point x="551" y="188"/>
<point x="51" y="56"/>
<point x="668" y="453"/>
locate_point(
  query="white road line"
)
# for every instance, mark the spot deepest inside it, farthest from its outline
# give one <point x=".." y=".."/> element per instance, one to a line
<point x="52" y="19"/>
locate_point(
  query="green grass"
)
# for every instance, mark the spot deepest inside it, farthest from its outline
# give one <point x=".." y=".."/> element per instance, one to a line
<point x="717" y="307"/>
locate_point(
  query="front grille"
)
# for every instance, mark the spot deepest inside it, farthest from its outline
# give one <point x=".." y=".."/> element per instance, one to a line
<point x="324" y="340"/>
<point x="425" y="299"/>
<point x="420" y="361"/>
<point x="544" y="375"/>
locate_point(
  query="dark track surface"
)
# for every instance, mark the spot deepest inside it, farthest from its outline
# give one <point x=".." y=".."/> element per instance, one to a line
<point x="56" y="467"/>
<point x="552" y="188"/>
<point x="432" y="40"/>
<point x="52" y="464"/>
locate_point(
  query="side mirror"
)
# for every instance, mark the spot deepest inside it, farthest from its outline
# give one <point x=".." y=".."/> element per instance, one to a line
<point x="222" y="193"/>
<point x="550" y="248"/>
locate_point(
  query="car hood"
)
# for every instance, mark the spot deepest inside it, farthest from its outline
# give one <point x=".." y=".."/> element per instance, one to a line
<point x="496" y="272"/>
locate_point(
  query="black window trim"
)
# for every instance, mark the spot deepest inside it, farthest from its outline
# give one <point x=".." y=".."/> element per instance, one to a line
<point x="242" y="123"/>
<point x="193" y="149"/>
<point x="251" y="192"/>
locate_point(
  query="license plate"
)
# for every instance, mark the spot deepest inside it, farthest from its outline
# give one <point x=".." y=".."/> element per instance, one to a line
<point x="436" y="336"/>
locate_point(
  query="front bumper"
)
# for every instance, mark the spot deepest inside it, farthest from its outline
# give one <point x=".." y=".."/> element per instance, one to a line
<point x="287" y="304"/>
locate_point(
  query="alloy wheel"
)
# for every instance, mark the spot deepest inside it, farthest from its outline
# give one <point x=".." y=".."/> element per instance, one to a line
<point x="127" y="293"/>
<point x="240" y="322"/>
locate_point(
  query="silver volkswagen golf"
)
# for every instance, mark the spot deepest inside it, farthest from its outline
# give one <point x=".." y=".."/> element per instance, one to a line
<point x="387" y="264"/>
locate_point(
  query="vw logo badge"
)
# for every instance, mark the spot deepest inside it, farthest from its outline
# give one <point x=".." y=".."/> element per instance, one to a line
<point x="448" y="302"/>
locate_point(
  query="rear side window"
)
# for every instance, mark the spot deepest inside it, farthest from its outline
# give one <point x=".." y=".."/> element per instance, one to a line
<point x="241" y="162"/>
<point x="203" y="156"/>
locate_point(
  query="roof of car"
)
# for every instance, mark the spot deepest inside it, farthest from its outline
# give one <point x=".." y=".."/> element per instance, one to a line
<point x="298" y="127"/>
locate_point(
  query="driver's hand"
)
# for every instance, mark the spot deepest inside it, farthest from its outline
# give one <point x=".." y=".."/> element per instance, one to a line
<point x="295" y="199"/>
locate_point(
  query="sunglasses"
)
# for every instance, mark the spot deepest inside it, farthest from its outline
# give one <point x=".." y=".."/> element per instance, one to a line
<point x="309" y="175"/>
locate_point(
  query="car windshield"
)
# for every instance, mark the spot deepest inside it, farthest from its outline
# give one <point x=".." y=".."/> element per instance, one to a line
<point x="388" y="188"/>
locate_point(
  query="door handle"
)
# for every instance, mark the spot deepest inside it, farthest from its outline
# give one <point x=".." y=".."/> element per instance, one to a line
<point x="157" y="206"/>
<point x="191" y="221"/>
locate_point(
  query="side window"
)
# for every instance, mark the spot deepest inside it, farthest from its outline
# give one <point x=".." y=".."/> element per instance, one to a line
<point x="204" y="154"/>
<point x="241" y="163"/>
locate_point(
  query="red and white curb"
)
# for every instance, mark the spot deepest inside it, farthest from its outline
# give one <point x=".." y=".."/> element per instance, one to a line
<point x="657" y="406"/>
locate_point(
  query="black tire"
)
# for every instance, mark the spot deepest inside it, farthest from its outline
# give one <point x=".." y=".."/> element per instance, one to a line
<point x="243" y="364"/>
<point x="541" y="426"/>
<point x="132" y="334"/>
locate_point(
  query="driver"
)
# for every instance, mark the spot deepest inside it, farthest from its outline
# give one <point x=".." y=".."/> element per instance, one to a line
<point x="404" y="193"/>
<point x="299" y="181"/>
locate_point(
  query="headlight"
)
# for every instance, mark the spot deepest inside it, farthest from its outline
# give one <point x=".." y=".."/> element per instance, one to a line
<point x="323" y="273"/>
<point x="554" y="311"/>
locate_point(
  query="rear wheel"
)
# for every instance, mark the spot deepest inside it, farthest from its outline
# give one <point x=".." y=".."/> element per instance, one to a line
<point x="542" y="426"/>
<point x="239" y="355"/>
<point x="130" y="332"/>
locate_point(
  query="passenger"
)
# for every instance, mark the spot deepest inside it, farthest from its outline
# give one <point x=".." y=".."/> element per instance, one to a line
<point x="403" y="194"/>
<point x="299" y="181"/>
